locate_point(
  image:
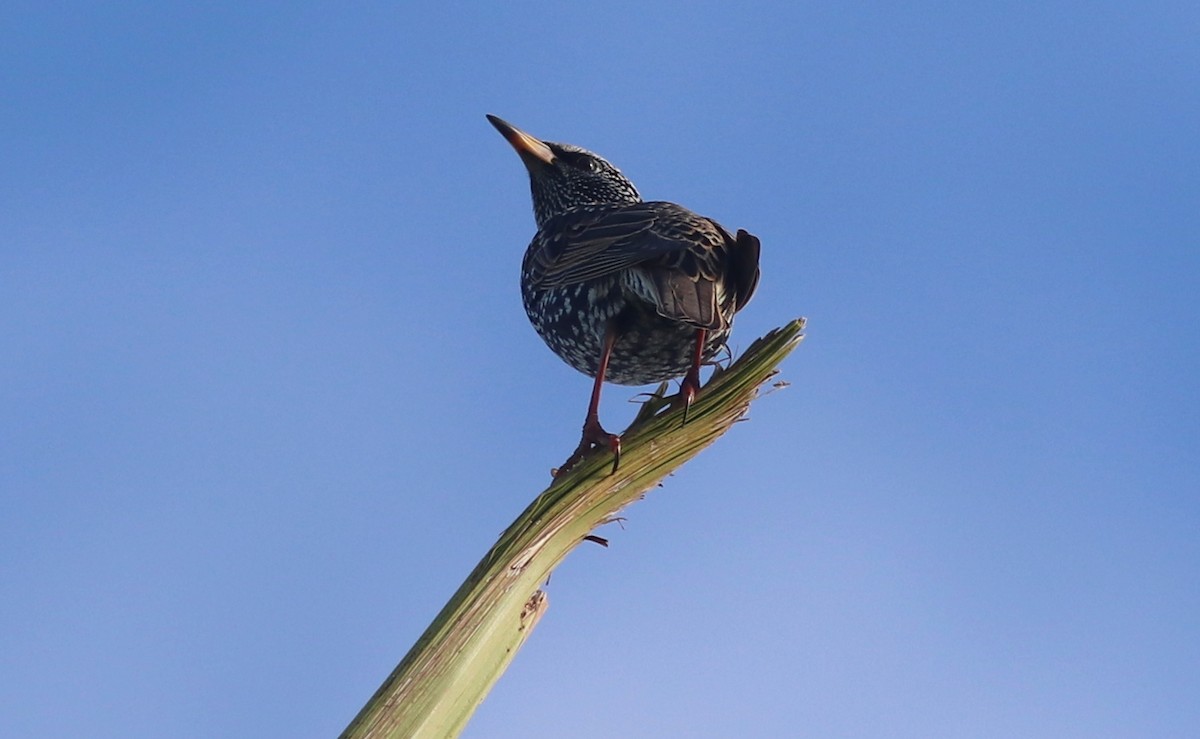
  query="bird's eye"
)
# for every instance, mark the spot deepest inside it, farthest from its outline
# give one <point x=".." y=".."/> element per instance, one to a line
<point x="583" y="162"/>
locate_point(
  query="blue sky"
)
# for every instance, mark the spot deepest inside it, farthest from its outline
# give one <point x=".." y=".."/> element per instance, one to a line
<point x="268" y="392"/>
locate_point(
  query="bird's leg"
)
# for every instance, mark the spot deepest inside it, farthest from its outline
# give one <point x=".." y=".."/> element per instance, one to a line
<point x="594" y="434"/>
<point x="691" y="381"/>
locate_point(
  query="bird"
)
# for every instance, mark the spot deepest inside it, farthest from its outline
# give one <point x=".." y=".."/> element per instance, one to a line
<point x="624" y="290"/>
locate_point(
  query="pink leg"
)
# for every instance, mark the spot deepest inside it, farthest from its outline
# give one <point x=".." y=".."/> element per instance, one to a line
<point x="691" y="381"/>
<point x="594" y="434"/>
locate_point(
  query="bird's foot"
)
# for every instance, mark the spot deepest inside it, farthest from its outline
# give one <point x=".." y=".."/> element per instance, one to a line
<point x="594" y="436"/>
<point x="687" y="391"/>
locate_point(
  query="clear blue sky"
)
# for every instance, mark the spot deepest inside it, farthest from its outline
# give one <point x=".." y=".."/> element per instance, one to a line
<point x="267" y="392"/>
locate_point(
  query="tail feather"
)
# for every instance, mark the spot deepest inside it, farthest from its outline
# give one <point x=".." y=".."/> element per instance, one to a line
<point x="703" y="295"/>
<point x="743" y="267"/>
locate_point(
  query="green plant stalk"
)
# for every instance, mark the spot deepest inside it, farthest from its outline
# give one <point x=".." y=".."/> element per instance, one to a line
<point x="446" y="675"/>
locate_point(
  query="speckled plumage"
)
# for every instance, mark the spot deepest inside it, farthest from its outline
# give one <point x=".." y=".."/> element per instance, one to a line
<point x="654" y="281"/>
<point x="656" y="269"/>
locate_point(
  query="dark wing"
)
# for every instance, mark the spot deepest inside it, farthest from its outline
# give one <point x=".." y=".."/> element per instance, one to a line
<point x="589" y="242"/>
<point x="677" y="260"/>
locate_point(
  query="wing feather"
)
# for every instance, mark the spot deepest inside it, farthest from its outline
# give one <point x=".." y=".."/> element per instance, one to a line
<point x="663" y="252"/>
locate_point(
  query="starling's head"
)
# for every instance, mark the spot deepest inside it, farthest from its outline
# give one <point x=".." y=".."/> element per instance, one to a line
<point x="562" y="176"/>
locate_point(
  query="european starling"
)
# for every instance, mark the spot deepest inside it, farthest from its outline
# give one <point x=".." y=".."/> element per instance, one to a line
<point x="624" y="290"/>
